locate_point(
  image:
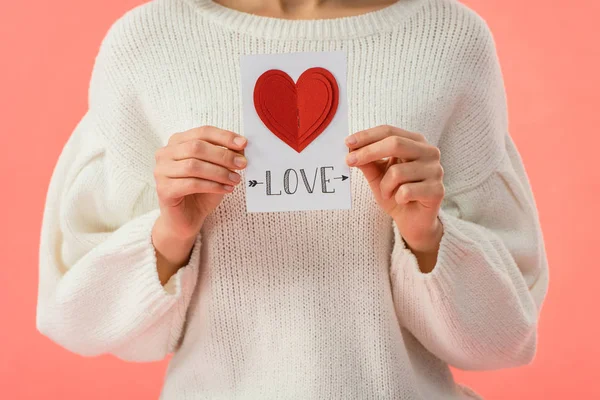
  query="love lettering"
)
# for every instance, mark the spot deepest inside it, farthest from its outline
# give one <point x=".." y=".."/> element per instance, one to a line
<point x="291" y="181"/>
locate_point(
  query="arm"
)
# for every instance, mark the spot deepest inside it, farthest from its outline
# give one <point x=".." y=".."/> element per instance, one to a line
<point x="99" y="288"/>
<point x="478" y="308"/>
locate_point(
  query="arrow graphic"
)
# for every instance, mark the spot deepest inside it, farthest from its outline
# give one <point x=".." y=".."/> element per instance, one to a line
<point x="343" y="177"/>
<point x="253" y="183"/>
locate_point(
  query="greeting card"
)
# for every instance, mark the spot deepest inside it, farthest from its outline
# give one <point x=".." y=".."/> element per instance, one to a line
<point x="295" y="118"/>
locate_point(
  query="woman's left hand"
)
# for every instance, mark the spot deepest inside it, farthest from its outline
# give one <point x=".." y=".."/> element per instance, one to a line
<point x="407" y="185"/>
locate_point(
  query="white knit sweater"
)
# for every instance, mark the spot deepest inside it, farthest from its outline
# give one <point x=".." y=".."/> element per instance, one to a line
<point x="295" y="305"/>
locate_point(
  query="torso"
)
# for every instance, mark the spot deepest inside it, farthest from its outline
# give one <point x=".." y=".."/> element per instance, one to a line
<point x="308" y="290"/>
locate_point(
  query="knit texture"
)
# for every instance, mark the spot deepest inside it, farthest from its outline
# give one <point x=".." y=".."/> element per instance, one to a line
<point x="306" y="304"/>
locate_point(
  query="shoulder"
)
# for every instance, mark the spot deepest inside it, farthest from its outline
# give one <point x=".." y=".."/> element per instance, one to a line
<point x="462" y="24"/>
<point x="462" y="41"/>
<point x="453" y="25"/>
<point x="474" y="47"/>
<point x="140" y="29"/>
<point x="473" y="142"/>
<point x="454" y="13"/>
<point x="135" y="43"/>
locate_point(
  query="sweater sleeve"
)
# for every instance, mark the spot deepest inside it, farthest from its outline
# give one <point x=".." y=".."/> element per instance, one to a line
<point x="479" y="307"/>
<point x="99" y="290"/>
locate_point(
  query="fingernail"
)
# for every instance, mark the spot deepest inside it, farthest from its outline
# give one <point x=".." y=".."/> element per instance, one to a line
<point x="239" y="141"/>
<point x="229" y="188"/>
<point x="234" y="177"/>
<point x="351" y="159"/>
<point x="351" y="140"/>
<point x="240" y="161"/>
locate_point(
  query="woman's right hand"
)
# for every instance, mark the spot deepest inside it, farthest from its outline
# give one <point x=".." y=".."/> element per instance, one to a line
<point x="193" y="173"/>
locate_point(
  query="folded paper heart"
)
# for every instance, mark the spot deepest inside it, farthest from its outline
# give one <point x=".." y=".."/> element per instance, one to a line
<point x="297" y="113"/>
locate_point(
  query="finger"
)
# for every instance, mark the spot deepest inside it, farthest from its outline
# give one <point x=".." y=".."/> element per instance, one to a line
<point x="391" y="146"/>
<point x="372" y="135"/>
<point x="401" y="173"/>
<point x="208" y="152"/>
<point x="178" y="188"/>
<point x="373" y="171"/>
<point x="211" y="134"/>
<point x="427" y="192"/>
<point x="194" y="168"/>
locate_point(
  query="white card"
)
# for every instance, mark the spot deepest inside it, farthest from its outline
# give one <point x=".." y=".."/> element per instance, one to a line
<point x="296" y="122"/>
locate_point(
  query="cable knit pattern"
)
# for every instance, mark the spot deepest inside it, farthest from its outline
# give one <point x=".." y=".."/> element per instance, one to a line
<point x="295" y="305"/>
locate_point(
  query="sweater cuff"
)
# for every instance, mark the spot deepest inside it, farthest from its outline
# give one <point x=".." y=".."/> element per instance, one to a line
<point x="180" y="283"/>
<point x="138" y="263"/>
<point x="452" y="251"/>
<point x="421" y="291"/>
<point x="422" y="296"/>
<point x="468" y="309"/>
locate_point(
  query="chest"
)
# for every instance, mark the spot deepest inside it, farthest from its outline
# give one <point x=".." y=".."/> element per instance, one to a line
<point x="387" y="84"/>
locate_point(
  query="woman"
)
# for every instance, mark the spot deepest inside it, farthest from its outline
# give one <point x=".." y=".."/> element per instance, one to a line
<point x="146" y="248"/>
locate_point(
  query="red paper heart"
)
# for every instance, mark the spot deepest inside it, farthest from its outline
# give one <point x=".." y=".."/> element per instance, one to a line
<point x="296" y="113"/>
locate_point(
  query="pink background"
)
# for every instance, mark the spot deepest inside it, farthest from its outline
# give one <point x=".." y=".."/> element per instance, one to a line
<point x="550" y="58"/>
